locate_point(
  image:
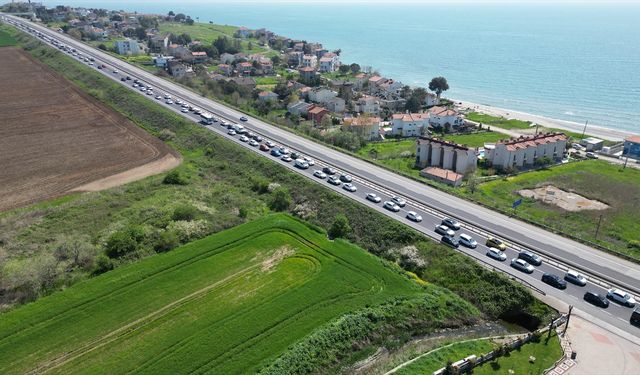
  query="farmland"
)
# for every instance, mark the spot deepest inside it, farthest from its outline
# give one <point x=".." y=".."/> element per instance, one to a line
<point x="55" y="138"/>
<point x="279" y="279"/>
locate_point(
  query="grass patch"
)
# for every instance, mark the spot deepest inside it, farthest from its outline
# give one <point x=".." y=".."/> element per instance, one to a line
<point x="207" y="33"/>
<point x="546" y="352"/>
<point x="269" y="80"/>
<point x="6" y="40"/>
<point x="475" y="139"/>
<point x="439" y="357"/>
<point x="500" y="122"/>
<point x="593" y="179"/>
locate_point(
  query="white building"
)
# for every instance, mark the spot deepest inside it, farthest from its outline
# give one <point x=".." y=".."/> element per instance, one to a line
<point x="127" y="47"/>
<point x="321" y="95"/>
<point x="330" y="62"/>
<point x="409" y="124"/>
<point x="442" y="117"/>
<point x="365" y="126"/>
<point x="162" y="61"/>
<point x="309" y="61"/>
<point x="524" y="151"/>
<point x="336" y="105"/>
<point x="368" y="104"/>
<point x="433" y="152"/>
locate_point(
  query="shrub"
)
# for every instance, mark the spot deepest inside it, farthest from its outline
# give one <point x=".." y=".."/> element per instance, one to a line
<point x="340" y="227"/>
<point x="166" y="135"/>
<point x="634" y="244"/>
<point x="184" y="212"/>
<point x="175" y="177"/>
<point x="166" y="240"/>
<point x="281" y="199"/>
<point x="103" y="264"/>
<point x="124" y="242"/>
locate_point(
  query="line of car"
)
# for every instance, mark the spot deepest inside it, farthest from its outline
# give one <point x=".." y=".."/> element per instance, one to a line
<point x="524" y="262"/>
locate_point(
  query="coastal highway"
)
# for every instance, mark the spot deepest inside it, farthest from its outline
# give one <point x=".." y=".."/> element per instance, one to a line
<point x="559" y="254"/>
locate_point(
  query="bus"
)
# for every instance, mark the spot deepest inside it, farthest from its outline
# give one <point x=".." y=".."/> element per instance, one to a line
<point x="207" y="118"/>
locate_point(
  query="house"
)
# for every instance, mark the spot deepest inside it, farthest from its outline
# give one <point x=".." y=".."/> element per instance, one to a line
<point x="373" y="83"/>
<point x="304" y="92"/>
<point x="299" y="108"/>
<point x="368" y="104"/>
<point x="158" y="43"/>
<point x="307" y="73"/>
<point x="442" y="175"/>
<point x="592" y="144"/>
<point x="329" y="63"/>
<point x="178" y="51"/>
<point x="227" y="58"/>
<point x="225" y="69"/>
<point x="244" y="68"/>
<point x="336" y="105"/>
<point x="298" y="46"/>
<point x="433" y="152"/>
<point x="309" y="61"/>
<point x="265" y="65"/>
<point x="199" y="57"/>
<point x="316" y="113"/>
<point x="247" y="82"/>
<point x="632" y="147"/>
<point x="390" y="87"/>
<point x="177" y="69"/>
<point x="162" y="61"/>
<point x="321" y="95"/>
<point x="442" y="117"/>
<point x="431" y="100"/>
<point x="367" y="127"/>
<point x="127" y="47"/>
<point x="319" y="51"/>
<point x="294" y="85"/>
<point x="359" y="81"/>
<point x="267" y="96"/>
<point x="242" y="32"/>
<point x="294" y="58"/>
<point x="393" y="104"/>
<point x="409" y="124"/>
<point x="524" y="151"/>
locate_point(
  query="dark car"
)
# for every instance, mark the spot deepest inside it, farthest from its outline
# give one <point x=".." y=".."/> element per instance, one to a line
<point x="530" y="258"/>
<point x="596" y="299"/>
<point x="275" y="152"/>
<point x="635" y="317"/>
<point x="295" y="155"/>
<point x="264" y="147"/>
<point x="554" y="280"/>
<point x="257" y="138"/>
<point x="448" y="240"/>
<point x="345" y="178"/>
<point x="128" y="78"/>
<point x="328" y="170"/>
<point x="122" y="79"/>
<point x="451" y="223"/>
<point x="244" y="118"/>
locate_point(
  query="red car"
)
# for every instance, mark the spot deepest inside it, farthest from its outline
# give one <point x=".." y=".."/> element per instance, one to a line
<point x="264" y="147"/>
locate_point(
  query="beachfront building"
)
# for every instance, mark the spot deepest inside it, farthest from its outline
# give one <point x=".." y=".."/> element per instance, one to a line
<point x="409" y="124"/>
<point x="365" y="126"/>
<point x="309" y="61"/>
<point x="434" y="152"/>
<point x="444" y="118"/>
<point x="524" y="151"/>
<point x="330" y="62"/>
<point x="632" y="147"/>
<point x="127" y="47"/>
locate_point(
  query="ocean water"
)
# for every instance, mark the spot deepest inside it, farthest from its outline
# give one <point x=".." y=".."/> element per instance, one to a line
<point x="574" y="62"/>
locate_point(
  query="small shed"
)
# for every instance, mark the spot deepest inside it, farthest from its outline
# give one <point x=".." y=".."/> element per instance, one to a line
<point x="592" y="144"/>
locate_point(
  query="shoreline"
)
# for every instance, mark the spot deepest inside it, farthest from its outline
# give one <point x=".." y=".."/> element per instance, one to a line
<point x="592" y="130"/>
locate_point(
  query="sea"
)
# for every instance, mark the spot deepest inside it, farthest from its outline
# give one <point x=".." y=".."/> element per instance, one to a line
<point x="570" y="61"/>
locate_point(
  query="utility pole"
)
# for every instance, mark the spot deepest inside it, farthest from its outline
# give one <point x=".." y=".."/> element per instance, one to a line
<point x="585" y="128"/>
<point x="566" y="324"/>
<point x="598" y="227"/>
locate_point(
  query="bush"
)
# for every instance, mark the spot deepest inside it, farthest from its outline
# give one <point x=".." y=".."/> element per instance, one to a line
<point x="166" y="135"/>
<point x="175" y="177"/>
<point x="124" y="242"/>
<point x="103" y="264"/>
<point x="166" y="240"/>
<point x="281" y="199"/>
<point x="184" y="212"/>
<point x="634" y="244"/>
<point x="340" y="227"/>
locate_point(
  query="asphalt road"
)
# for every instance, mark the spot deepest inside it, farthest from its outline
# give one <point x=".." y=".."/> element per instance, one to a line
<point x="559" y="254"/>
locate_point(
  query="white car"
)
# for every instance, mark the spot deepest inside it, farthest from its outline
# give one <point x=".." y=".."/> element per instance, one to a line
<point x="373" y="198"/>
<point x="231" y="132"/>
<point x="521" y="265"/>
<point x="320" y="174"/>
<point x="286" y="158"/>
<point x="167" y="96"/>
<point x="158" y="97"/>
<point x="414" y="216"/>
<point x="391" y="206"/>
<point x="253" y="143"/>
<point x="399" y="201"/>
<point x="621" y="297"/>
<point x="575" y="278"/>
<point x="468" y="241"/>
<point x="184" y="110"/>
<point x="310" y="161"/>
<point x="300" y="163"/>
<point x="444" y="230"/>
<point x="149" y="92"/>
<point x="143" y="89"/>
<point x="244" y="138"/>
<point x="169" y="101"/>
<point x="115" y="72"/>
<point x="349" y="187"/>
<point x="496" y="254"/>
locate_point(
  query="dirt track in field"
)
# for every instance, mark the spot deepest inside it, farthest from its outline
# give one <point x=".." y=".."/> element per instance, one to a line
<point x="55" y="139"/>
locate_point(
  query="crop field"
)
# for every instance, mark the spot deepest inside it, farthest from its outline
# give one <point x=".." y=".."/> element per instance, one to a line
<point x="55" y="138"/>
<point x="227" y="304"/>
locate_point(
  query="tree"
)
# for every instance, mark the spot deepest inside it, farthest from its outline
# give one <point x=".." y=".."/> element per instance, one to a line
<point x="472" y="183"/>
<point x="281" y="199"/>
<point x="175" y="177"/>
<point x="102" y="46"/>
<point x="124" y="242"/>
<point x="344" y="69"/>
<point x="116" y="17"/>
<point x="141" y="34"/>
<point x="180" y="17"/>
<point x="276" y="60"/>
<point x="355" y="68"/>
<point x="340" y="227"/>
<point x="412" y="105"/>
<point x="326" y="122"/>
<point x="184" y="212"/>
<point x="438" y="85"/>
<point x="171" y="13"/>
<point x="189" y="21"/>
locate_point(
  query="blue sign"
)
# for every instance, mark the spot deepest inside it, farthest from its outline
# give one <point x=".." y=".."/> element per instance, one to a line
<point x="516" y="203"/>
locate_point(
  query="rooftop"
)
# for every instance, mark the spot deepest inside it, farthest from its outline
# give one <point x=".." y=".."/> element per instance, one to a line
<point x="410" y="116"/>
<point x="362" y="121"/>
<point x="633" y="139"/>
<point x="442" y="142"/>
<point x="444" y="174"/>
<point x="523" y="142"/>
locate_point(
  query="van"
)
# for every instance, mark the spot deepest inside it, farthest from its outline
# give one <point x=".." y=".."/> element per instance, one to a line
<point x="635" y="317"/>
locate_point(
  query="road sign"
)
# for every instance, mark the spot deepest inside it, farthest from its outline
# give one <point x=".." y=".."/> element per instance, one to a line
<point x="516" y="203"/>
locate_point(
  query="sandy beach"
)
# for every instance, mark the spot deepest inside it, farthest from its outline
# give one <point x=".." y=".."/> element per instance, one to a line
<point x="594" y="130"/>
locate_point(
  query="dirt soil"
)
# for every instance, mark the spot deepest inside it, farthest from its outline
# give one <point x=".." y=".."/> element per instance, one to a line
<point x="566" y="200"/>
<point x="55" y="139"/>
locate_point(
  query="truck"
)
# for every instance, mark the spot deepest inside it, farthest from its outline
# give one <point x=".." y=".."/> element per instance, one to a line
<point x="207" y="118"/>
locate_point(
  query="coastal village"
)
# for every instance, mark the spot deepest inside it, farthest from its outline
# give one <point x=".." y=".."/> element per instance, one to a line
<point x="305" y="86"/>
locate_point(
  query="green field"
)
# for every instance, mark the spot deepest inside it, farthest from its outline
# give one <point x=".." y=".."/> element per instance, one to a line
<point x="207" y="33"/>
<point x="6" y="39"/>
<point x="500" y="122"/>
<point x="593" y="179"/>
<point x="228" y="303"/>
<point x="546" y="352"/>
<point x="438" y="358"/>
